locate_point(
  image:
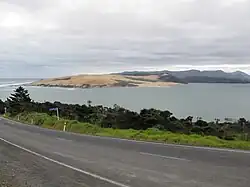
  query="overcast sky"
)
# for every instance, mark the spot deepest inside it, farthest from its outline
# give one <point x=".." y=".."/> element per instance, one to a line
<point x="49" y="38"/>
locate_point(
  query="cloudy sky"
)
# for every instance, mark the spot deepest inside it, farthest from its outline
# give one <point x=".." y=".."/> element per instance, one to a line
<point x="49" y="38"/>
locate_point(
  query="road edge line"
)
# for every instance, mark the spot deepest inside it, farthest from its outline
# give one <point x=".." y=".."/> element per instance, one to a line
<point x="162" y="156"/>
<point x="139" y="141"/>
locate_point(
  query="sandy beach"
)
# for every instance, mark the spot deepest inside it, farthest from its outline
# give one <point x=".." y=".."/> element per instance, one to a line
<point x="90" y="81"/>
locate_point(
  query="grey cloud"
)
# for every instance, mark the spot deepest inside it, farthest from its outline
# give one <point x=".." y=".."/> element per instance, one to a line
<point x="57" y="37"/>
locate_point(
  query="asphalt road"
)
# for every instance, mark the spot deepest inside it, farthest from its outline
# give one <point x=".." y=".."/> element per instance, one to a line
<point x="43" y="157"/>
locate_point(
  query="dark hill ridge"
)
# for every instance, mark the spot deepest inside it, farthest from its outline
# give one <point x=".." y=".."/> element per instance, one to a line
<point x="195" y="76"/>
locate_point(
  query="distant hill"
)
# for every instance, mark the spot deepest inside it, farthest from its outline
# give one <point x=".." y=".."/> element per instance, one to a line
<point x="145" y="79"/>
<point x="195" y="76"/>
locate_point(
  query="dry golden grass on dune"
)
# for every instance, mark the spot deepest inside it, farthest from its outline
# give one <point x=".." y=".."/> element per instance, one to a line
<point x="104" y="80"/>
<point x="148" y="77"/>
<point x="83" y="79"/>
<point x="157" y="84"/>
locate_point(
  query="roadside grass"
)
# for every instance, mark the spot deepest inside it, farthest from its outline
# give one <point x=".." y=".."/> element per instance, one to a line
<point x="155" y="135"/>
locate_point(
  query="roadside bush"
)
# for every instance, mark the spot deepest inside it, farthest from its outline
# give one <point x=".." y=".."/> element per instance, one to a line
<point x="151" y="134"/>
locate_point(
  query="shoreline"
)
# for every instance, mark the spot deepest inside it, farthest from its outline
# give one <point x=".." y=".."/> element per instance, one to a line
<point x="104" y="81"/>
<point x="167" y="84"/>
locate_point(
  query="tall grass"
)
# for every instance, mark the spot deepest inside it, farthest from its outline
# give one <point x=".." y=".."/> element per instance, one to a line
<point x="155" y="135"/>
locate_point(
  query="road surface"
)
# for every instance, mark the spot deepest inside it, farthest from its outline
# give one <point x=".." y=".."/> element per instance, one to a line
<point x="43" y="157"/>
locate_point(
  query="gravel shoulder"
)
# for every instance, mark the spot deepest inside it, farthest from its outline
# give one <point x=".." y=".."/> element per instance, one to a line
<point x="21" y="169"/>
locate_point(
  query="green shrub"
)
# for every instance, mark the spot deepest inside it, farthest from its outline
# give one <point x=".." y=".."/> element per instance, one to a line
<point x="152" y="134"/>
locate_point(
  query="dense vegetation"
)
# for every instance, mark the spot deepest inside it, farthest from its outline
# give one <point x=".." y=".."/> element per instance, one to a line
<point x="121" y="118"/>
<point x="151" y="134"/>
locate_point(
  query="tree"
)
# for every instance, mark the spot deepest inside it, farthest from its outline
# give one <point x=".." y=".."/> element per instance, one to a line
<point x="89" y="103"/>
<point x="150" y="118"/>
<point x="2" y="106"/>
<point x="18" y="100"/>
<point x="242" y="122"/>
<point x="19" y="95"/>
<point x="201" y="123"/>
<point x="188" y="124"/>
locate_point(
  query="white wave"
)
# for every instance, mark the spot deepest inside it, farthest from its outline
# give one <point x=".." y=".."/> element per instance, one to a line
<point x="70" y="88"/>
<point x="14" y="84"/>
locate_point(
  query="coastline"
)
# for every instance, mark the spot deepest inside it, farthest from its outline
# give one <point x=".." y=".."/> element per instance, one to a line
<point x="120" y="122"/>
<point x="167" y="84"/>
<point x="104" y="81"/>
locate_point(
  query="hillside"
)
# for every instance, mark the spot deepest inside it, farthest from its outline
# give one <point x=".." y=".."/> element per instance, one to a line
<point x="146" y="79"/>
<point x="196" y="76"/>
<point x="107" y="80"/>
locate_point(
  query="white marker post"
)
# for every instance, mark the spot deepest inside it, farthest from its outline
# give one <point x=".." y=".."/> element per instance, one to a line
<point x="5" y="111"/>
<point x="64" y="127"/>
<point x="57" y="113"/>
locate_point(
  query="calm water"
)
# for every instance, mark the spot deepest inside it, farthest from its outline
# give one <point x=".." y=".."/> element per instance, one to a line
<point x="205" y="100"/>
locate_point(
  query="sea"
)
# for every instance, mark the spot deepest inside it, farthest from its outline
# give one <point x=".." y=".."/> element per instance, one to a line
<point x="208" y="101"/>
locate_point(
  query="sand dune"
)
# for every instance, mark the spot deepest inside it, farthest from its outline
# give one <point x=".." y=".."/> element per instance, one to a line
<point x="88" y="81"/>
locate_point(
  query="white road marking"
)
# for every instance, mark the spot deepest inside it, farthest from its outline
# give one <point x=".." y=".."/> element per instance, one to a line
<point x="168" y="144"/>
<point x="174" y="145"/>
<point x="74" y="158"/>
<point x="162" y="156"/>
<point x="63" y="139"/>
<point x="66" y="165"/>
<point x="64" y="155"/>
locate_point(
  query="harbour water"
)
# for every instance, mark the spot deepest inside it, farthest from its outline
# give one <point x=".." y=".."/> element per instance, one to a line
<point x="208" y="101"/>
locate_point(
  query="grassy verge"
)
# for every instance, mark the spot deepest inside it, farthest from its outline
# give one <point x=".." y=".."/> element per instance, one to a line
<point x="47" y="121"/>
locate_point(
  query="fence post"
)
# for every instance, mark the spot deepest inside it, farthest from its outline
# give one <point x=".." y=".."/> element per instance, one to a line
<point x="64" y="127"/>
